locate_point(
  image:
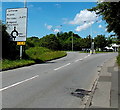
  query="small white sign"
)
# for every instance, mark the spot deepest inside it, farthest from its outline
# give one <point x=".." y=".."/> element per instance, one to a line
<point x="16" y="20"/>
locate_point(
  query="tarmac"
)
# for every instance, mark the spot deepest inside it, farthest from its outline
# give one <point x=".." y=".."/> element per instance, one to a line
<point x="106" y="93"/>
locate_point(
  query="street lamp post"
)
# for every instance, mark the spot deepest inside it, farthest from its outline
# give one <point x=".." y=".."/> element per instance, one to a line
<point x="25" y="4"/>
<point x="72" y="41"/>
<point x="92" y="42"/>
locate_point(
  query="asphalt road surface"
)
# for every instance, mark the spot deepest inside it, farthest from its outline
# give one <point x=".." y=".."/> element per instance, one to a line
<point x="49" y="85"/>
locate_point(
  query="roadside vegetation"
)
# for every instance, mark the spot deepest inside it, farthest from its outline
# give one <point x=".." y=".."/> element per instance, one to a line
<point x="42" y="54"/>
<point x="53" y="46"/>
<point x="35" y="55"/>
<point x="9" y="64"/>
<point x="110" y="12"/>
<point x="118" y="58"/>
<point x="32" y="52"/>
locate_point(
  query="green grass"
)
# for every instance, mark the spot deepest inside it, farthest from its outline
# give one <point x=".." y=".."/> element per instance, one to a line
<point x="8" y="64"/>
<point x="51" y="55"/>
<point x="118" y="57"/>
<point x="118" y="60"/>
<point x="43" y="54"/>
<point x="35" y="55"/>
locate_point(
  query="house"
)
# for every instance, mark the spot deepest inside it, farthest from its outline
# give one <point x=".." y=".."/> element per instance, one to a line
<point x="113" y="47"/>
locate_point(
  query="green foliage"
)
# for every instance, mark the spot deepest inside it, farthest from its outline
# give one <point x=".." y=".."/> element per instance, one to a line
<point x="66" y="40"/>
<point x="9" y="49"/>
<point x="8" y="64"/>
<point x="87" y="42"/>
<point x="52" y="55"/>
<point x="41" y="54"/>
<point x="51" y="42"/>
<point x="118" y="57"/>
<point x="36" y="55"/>
<point x="110" y="12"/>
<point x="63" y="41"/>
<point x="35" y="52"/>
<point x="32" y="42"/>
<point x="100" y="41"/>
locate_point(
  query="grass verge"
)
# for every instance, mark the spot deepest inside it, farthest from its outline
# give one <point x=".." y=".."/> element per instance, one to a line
<point x="35" y="55"/>
<point x="9" y="64"/>
<point x="118" y="57"/>
<point x="118" y="60"/>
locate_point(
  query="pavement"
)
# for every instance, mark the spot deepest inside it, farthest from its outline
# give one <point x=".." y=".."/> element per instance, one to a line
<point x="105" y="92"/>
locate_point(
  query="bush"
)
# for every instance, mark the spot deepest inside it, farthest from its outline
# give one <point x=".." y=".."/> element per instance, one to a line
<point x="118" y="58"/>
<point x="34" y="53"/>
<point x="42" y="54"/>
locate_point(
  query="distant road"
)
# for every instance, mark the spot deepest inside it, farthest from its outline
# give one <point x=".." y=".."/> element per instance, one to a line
<point x="49" y="85"/>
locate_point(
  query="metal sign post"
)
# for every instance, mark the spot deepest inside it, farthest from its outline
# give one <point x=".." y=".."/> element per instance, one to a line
<point x="20" y="51"/>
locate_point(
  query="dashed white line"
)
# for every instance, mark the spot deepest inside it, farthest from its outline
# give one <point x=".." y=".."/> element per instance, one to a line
<point x="62" y="66"/>
<point x="82" y="59"/>
<point x="18" y="83"/>
<point x="78" y="60"/>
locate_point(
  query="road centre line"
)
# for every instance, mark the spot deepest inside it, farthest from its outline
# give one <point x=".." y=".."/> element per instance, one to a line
<point x="62" y="66"/>
<point x="19" y="83"/>
<point x="82" y="59"/>
<point x="78" y="60"/>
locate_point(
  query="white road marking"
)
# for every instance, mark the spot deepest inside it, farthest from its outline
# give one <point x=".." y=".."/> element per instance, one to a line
<point x="19" y="83"/>
<point x="82" y="59"/>
<point x="62" y="66"/>
<point x="85" y="56"/>
<point x="78" y="60"/>
<point x="89" y="54"/>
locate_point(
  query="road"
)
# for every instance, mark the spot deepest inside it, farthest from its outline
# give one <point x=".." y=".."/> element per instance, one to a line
<point x="49" y="85"/>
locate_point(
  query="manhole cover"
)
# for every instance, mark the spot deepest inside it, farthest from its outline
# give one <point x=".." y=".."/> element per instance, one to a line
<point x="80" y="93"/>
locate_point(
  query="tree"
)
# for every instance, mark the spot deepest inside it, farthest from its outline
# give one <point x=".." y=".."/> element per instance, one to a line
<point x="86" y="42"/>
<point x="32" y="42"/>
<point x="51" y="42"/>
<point x="100" y="41"/>
<point x="9" y="49"/>
<point x="110" y="12"/>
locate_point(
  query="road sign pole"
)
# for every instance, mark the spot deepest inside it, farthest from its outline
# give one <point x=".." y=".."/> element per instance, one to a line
<point x="20" y="51"/>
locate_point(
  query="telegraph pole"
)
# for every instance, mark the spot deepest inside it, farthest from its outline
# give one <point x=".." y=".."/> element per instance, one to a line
<point x="72" y="41"/>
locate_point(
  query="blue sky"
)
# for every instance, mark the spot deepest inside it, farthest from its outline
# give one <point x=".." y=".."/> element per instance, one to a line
<point x="51" y="17"/>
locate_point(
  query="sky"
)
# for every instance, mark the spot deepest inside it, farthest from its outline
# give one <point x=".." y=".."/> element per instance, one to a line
<point x="45" y="18"/>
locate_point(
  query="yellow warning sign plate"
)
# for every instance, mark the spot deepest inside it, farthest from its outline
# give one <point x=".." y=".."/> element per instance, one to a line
<point x="20" y="43"/>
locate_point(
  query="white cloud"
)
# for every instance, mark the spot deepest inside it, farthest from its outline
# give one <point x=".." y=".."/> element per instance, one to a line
<point x="48" y="26"/>
<point x="56" y="30"/>
<point x="84" y="16"/>
<point x="105" y="29"/>
<point x="100" y="26"/>
<point x="84" y="26"/>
